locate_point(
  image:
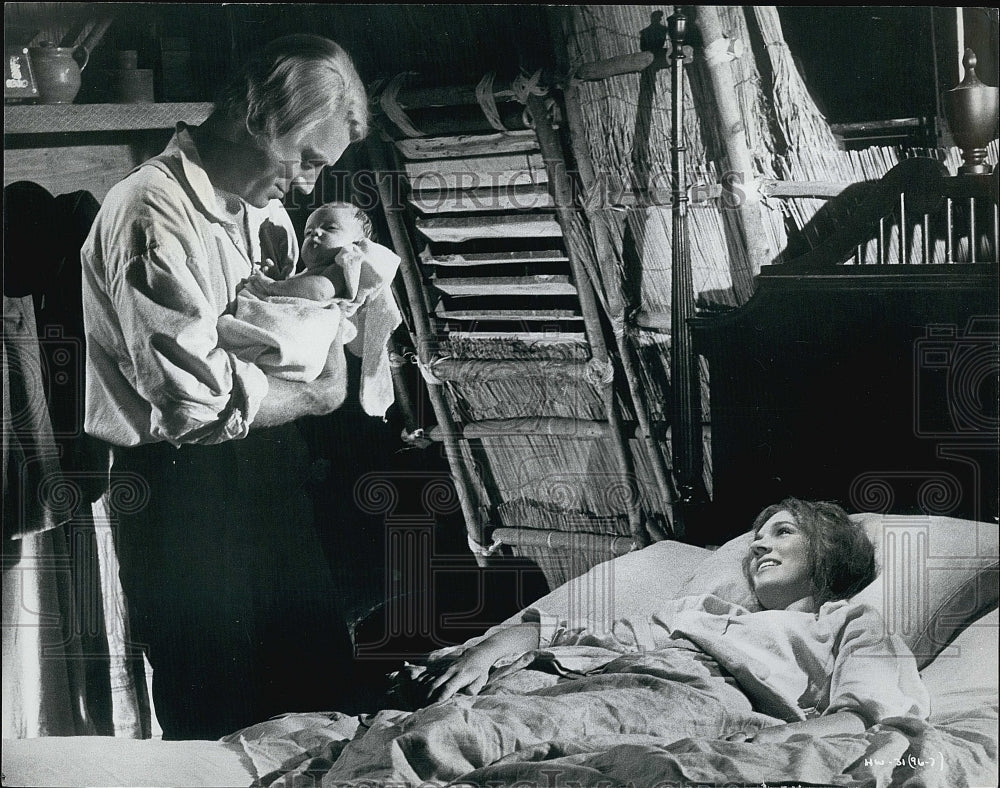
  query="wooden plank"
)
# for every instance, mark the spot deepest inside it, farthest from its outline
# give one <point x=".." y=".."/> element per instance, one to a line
<point x="54" y="118"/>
<point x="94" y="168"/>
<point x="476" y="173"/>
<point x="631" y="63"/>
<point x="540" y="285"/>
<point x="495" y="258"/>
<point x="510" y="198"/>
<point x="458" y="229"/>
<point x="464" y="145"/>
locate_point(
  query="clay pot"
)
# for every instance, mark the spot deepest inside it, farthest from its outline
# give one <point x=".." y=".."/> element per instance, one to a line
<point x="57" y="71"/>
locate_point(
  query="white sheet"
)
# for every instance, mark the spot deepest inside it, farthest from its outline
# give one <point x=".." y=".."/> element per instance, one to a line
<point x="89" y="761"/>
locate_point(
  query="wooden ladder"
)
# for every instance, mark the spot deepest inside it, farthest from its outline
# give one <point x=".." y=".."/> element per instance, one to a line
<point x="490" y="243"/>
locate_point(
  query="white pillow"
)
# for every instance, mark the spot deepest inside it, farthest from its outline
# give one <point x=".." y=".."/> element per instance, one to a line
<point x="633" y="585"/>
<point x="966" y="675"/>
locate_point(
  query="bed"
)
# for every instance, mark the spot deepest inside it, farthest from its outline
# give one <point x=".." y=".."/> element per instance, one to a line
<point x="934" y="529"/>
<point x="938" y="589"/>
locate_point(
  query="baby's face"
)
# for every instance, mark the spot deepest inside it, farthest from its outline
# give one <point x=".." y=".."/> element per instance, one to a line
<point x="327" y="231"/>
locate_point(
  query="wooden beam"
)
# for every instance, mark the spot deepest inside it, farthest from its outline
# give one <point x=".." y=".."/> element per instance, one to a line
<point x="565" y="540"/>
<point x="85" y="118"/>
<point x="459" y="229"/>
<point x="382" y="162"/>
<point x="732" y="129"/>
<point x="614" y="294"/>
<point x="632" y="63"/>
<point x="551" y="149"/>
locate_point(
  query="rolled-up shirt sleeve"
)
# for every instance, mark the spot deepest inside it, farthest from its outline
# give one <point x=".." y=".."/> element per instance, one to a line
<point x="197" y="391"/>
<point x="874" y="673"/>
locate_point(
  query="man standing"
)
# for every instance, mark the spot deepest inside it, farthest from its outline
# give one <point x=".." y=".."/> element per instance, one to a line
<point x="227" y="586"/>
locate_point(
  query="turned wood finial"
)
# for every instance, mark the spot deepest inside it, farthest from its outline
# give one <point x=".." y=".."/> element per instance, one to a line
<point x="677" y="25"/>
<point x="971" y="107"/>
<point x="969" y="60"/>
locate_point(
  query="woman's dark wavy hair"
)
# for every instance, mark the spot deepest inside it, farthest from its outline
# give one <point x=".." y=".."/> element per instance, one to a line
<point x="841" y="556"/>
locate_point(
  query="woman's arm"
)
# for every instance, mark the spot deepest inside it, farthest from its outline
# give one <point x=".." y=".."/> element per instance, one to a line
<point x="470" y="671"/>
<point x="827" y="725"/>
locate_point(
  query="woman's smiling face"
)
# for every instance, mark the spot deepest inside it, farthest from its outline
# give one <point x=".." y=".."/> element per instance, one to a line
<point x="781" y="565"/>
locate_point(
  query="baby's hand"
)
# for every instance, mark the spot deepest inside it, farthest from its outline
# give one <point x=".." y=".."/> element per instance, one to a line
<point x="273" y="270"/>
<point x="259" y="284"/>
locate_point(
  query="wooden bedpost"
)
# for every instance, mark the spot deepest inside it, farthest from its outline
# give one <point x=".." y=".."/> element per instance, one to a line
<point x="685" y="382"/>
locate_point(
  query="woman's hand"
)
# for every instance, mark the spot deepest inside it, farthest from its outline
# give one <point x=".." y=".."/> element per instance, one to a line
<point x="468" y="674"/>
<point x="840" y="722"/>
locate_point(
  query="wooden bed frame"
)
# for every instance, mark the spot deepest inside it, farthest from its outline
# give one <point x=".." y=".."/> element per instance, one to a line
<point x="874" y="385"/>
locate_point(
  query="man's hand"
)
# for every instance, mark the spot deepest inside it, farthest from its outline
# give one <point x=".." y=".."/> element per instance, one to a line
<point x="330" y="387"/>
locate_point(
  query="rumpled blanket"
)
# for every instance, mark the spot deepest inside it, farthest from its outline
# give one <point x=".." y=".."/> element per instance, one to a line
<point x="658" y="718"/>
<point x="290" y="337"/>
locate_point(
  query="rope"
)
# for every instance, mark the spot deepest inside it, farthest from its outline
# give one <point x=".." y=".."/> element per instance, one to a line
<point x="391" y="107"/>
<point x="599" y="373"/>
<point x="484" y="95"/>
<point x="427" y="371"/>
<point x="523" y="86"/>
<point x="481" y="551"/>
<point x="719" y="51"/>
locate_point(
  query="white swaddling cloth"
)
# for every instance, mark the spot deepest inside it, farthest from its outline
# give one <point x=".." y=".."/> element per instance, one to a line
<point x="290" y="337"/>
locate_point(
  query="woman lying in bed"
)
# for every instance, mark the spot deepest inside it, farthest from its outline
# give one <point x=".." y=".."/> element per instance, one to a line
<point x="809" y="663"/>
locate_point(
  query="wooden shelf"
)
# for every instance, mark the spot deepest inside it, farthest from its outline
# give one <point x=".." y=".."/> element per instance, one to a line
<point x="77" y="118"/>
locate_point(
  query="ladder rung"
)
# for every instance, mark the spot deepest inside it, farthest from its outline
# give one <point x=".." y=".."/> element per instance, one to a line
<point x="565" y="540"/>
<point x="468" y="145"/>
<point x="458" y="229"/>
<point x="496" y="258"/>
<point x="533" y="338"/>
<point x="556" y="426"/>
<point x="511" y="198"/>
<point x="476" y="370"/>
<point x="482" y="172"/>
<point x="507" y="314"/>
<point x="539" y="285"/>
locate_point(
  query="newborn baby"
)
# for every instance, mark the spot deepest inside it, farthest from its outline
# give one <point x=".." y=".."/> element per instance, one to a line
<point x="286" y="326"/>
<point x="333" y="250"/>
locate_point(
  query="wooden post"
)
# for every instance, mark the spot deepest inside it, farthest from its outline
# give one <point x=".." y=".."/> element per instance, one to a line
<point x="614" y="295"/>
<point x="384" y="163"/>
<point x="733" y="132"/>
<point x="562" y="195"/>
<point x="685" y="380"/>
